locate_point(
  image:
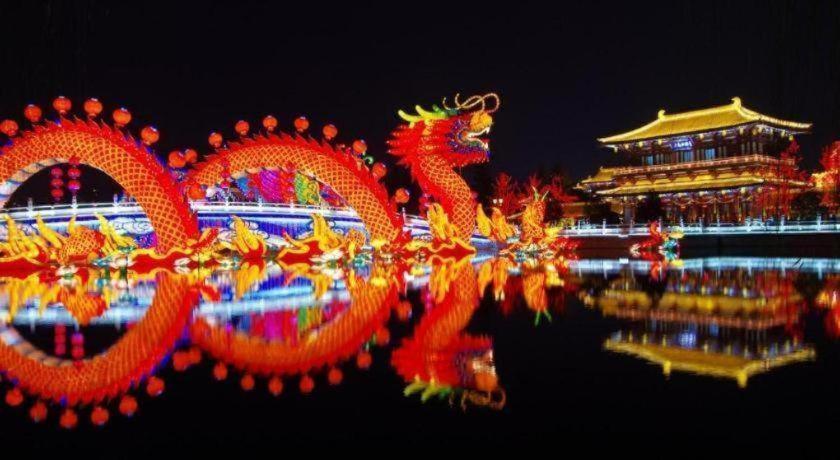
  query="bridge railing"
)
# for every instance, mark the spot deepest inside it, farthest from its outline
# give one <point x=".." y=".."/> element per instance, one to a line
<point x="717" y="228"/>
<point x="107" y="209"/>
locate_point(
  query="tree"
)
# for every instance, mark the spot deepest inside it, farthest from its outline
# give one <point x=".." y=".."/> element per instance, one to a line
<point x="807" y="205"/>
<point x="828" y="181"/>
<point x="788" y="173"/>
<point x="506" y="192"/>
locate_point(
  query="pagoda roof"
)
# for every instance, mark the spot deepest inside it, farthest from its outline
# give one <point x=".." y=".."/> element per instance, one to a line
<point x="703" y="120"/>
<point x="700" y="362"/>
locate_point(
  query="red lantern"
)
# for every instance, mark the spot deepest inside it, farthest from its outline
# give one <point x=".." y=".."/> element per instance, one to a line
<point x="247" y="382"/>
<point x="93" y="107"/>
<point x="379" y="170"/>
<point x="62" y="105"/>
<point x="301" y="124"/>
<point x="56" y="182"/>
<point x="334" y="376"/>
<point x="128" y="405"/>
<point x="9" y="128"/>
<point x="99" y="416"/>
<point x="275" y="386"/>
<point x="242" y="127"/>
<point x="360" y="147"/>
<point x="155" y="386"/>
<point x="74" y="173"/>
<point x="121" y="117"/>
<point x="38" y="412"/>
<point x="176" y="160"/>
<point x="215" y="140"/>
<point x="68" y="419"/>
<point x="14" y="397"/>
<point x="190" y="156"/>
<point x="306" y="384"/>
<point x="383" y="336"/>
<point x="330" y="131"/>
<point x="180" y="361"/>
<point x="269" y="123"/>
<point x="57" y="194"/>
<point x="220" y="371"/>
<point x="195" y="192"/>
<point x="74" y="161"/>
<point x="401" y="196"/>
<point x="32" y="113"/>
<point x="74" y="186"/>
<point x="149" y="135"/>
<point x="364" y="360"/>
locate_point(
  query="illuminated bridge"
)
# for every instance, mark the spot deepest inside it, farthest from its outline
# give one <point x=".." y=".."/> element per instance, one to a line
<point x="272" y="219"/>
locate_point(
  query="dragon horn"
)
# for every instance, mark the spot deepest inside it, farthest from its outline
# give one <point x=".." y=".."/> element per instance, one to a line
<point x="496" y="98"/>
<point x="428" y="115"/>
<point x="409" y="118"/>
<point x="447" y="107"/>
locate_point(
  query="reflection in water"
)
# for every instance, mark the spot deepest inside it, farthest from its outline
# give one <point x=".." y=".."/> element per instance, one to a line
<point x="440" y="359"/>
<point x="94" y="341"/>
<point x="730" y="322"/>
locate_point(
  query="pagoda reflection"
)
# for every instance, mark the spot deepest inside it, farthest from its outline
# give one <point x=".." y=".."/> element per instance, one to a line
<point x="728" y="323"/>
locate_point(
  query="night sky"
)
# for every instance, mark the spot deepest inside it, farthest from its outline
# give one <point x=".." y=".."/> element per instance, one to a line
<point x="566" y="75"/>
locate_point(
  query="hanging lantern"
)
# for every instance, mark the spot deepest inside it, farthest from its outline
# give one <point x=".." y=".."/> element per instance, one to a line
<point x="93" y="107"/>
<point x="306" y="384"/>
<point x="379" y="170"/>
<point x="247" y="382"/>
<point x="334" y="376"/>
<point x="242" y="127"/>
<point x="68" y="419"/>
<point x="38" y="412"/>
<point x="220" y="371"/>
<point x="14" y="397"/>
<point x="301" y="124"/>
<point x="121" y="117"/>
<point x="74" y="186"/>
<point x="215" y="140"/>
<point x="149" y="135"/>
<point x="269" y="123"/>
<point x="32" y="113"/>
<point x="330" y="131"/>
<point x="402" y="195"/>
<point x="195" y="192"/>
<point x="176" y="160"/>
<point x="190" y="156"/>
<point x="99" y="416"/>
<point x="9" y="128"/>
<point x="62" y="105"/>
<point x="364" y="360"/>
<point x="128" y="405"/>
<point x="360" y="147"/>
<point x="155" y="386"/>
<point x="275" y="386"/>
<point x="74" y="172"/>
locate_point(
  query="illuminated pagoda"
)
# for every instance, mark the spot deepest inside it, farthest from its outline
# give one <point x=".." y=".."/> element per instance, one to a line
<point x="721" y="163"/>
<point x="724" y="324"/>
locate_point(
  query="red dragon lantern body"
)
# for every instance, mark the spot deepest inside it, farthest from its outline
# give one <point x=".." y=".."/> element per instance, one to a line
<point x="433" y="143"/>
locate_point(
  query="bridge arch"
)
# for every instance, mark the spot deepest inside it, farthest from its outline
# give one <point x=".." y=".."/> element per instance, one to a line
<point x="347" y="176"/>
<point x="99" y="146"/>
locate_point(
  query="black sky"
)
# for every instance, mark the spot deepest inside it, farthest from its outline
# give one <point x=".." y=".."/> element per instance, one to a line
<point x="566" y="75"/>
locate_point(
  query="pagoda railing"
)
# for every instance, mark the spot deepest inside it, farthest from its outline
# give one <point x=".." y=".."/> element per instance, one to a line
<point x="701" y="164"/>
<point x="754" y="227"/>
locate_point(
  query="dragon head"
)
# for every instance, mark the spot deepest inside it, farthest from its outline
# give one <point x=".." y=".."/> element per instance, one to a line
<point x="457" y="133"/>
